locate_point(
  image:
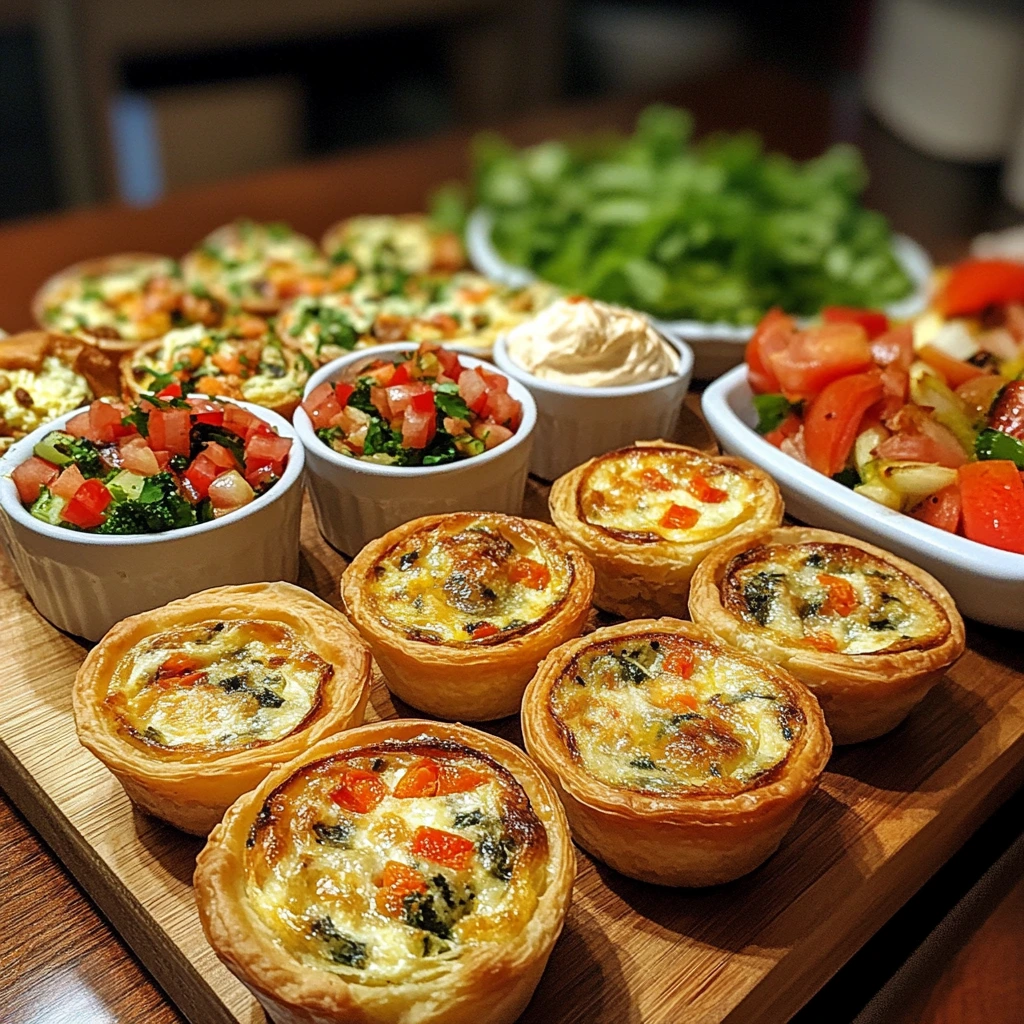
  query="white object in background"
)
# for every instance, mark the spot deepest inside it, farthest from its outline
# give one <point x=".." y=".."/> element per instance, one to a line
<point x="1008" y="244"/>
<point x="85" y="582"/>
<point x="574" y="424"/>
<point x="945" y="75"/>
<point x="716" y="346"/>
<point x="356" y="501"/>
<point x="986" y="583"/>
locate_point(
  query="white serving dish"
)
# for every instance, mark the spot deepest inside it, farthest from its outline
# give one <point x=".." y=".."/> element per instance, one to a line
<point x="574" y="424"/>
<point x="986" y="583"/>
<point x="84" y="583"/>
<point x="716" y="346"/>
<point x="356" y="501"/>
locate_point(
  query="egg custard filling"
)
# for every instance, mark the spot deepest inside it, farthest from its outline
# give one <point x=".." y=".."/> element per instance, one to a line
<point x="470" y="579"/>
<point x="216" y="686"/>
<point x="834" y="598"/>
<point x="649" y="494"/>
<point x="667" y="715"/>
<point x="394" y="859"/>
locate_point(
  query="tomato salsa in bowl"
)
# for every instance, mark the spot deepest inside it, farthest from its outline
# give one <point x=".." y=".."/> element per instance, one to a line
<point x="402" y="432"/>
<point x="112" y="509"/>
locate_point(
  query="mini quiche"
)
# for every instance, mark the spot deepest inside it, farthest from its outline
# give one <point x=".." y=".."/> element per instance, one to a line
<point x="646" y="515"/>
<point x="116" y="302"/>
<point x="44" y="375"/>
<point x="219" y="363"/>
<point x="867" y="632"/>
<point x="459" y="609"/>
<point x="256" y="267"/>
<point x="406" y="871"/>
<point x="679" y="760"/>
<point x="192" y="704"/>
<point x="408" y="244"/>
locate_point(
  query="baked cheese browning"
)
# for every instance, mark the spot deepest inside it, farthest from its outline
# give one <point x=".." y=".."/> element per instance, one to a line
<point x="216" y="686"/>
<point x="666" y="715"/>
<point x="649" y="494"/>
<point x="471" y="579"/>
<point x="391" y="860"/>
<point x="833" y="598"/>
<point x="136" y="299"/>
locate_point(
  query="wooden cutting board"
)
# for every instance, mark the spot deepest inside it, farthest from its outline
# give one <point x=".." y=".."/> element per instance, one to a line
<point x="887" y="815"/>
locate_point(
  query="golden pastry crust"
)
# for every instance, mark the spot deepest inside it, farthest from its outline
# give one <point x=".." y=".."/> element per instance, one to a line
<point x="862" y="694"/>
<point x="645" y="568"/>
<point x="676" y="791"/>
<point x="128" y="319"/>
<point x="466" y="574"/>
<point x="492" y="979"/>
<point x="29" y="349"/>
<point x="188" y="784"/>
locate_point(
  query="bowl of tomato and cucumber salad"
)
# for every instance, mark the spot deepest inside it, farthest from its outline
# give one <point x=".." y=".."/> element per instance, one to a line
<point x="115" y="509"/>
<point x="403" y="431"/>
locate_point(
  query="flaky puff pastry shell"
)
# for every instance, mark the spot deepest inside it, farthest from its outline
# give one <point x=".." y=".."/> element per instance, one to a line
<point x="863" y="695"/>
<point x="469" y="682"/>
<point x="642" y="578"/>
<point x="691" y="839"/>
<point x="490" y="984"/>
<point x="193" y="791"/>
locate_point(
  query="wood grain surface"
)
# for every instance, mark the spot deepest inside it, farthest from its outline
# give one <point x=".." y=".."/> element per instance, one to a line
<point x="887" y="815"/>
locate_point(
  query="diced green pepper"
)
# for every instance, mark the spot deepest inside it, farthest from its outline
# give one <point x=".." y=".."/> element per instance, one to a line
<point x="994" y="444"/>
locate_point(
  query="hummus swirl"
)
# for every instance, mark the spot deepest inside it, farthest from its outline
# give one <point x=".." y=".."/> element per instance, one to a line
<point x="587" y="343"/>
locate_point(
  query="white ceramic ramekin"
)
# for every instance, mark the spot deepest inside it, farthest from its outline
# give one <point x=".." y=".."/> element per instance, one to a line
<point x="356" y="501"/>
<point x="84" y="583"/>
<point x="575" y="424"/>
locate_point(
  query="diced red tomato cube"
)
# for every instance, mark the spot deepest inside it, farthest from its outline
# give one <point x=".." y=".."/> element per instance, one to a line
<point x="992" y="497"/>
<point x="220" y="455"/>
<point x="473" y="390"/>
<point x="202" y="473"/>
<point x="449" y="360"/>
<point x="32" y="476"/>
<point x="137" y="457"/>
<point x="343" y="392"/>
<point x="321" y="405"/>
<point x="206" y="411"/>
<point x="67" y="484"/>
<point x="172" y="390"/>
<point x="492" y="434"/>
<point x="400" y="376"/>
<point x="400" y="396"/>
<point x="81" y="426"/>
<point x="419" y="427"/>
<point x="874" y="323"/>
<point x="238" y="420"/>
<point x="267" y="448"/>
<point x="504" y="409"/>
<point x="85" y="509"/>
<point x="169" y="430"/>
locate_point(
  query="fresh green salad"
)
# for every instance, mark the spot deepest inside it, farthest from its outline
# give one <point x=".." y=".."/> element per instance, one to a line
<point x="715" y="231"/>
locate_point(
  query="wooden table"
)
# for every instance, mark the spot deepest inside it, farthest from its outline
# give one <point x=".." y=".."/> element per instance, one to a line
<point x="58" y="960"/>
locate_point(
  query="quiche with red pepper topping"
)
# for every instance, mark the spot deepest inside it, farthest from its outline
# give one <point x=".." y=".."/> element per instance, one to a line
<point x="868" y="632"/>
<point x="192" y="704"/>
<point x="679" y="760"/>
<point x="402" y="871"/>
<point x="646" y="515"/>
<point x="459" y="609"/>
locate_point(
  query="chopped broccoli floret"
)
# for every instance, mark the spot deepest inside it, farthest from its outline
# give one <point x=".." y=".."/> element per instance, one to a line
<point x="62" y="449"/>
<point x="159" y="507"/>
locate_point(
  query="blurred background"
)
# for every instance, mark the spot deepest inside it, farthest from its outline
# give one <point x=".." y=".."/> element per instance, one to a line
<point x="107" y="99"/>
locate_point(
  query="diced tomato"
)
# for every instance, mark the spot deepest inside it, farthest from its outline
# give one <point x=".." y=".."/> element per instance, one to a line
<point x="343" y="392"/>
<point x="105" y="420"/>
<point x="484" y="630"/>
<point x="66" y="486"/>
<point x="530" y="573"/>
<point x="980" y="393"/>
<point x="398" y="882"/>
<point x="229" y="491"/>
<point x="172" y="390"/>
<point x="955" y="371"/>
<point x="162" y="459"/>
<point x="169" y="430"/>
<point x="137" y="457"/>
<point x="704" y="492"/>
<point x="679" y="517"/>
<point x="32" y="476"/>
<point x="821" y="641"/>
<point x="504" y="409"/>
<point x="420" y="779"/>
<point x="400" y="376"/>
<point x="261" y="475"/>
<point x="874" y="323"/>
<point x="772" y="334"/>
<point x="992" y="497"/>
<point x="202" y="473"/>
<point x="816" y="357"/>
<point x="206" y="411"/>
<point x="321" y="405"/>
<point x="359" y="791"/>
<point x="787" y="428"/>
<point x="268" y="448"/>
<point x="941" y="509"/>
<point x="81" y="426"/>
<point x="220" y="455"/>
<point x="842" y="598"/>
<point x="492" y="434"/>
<point x="400" y="396"/>
<point x="449" y="361"/>
<point x="85" y="509"/>
<point x="238" y="420"/>
<point x="654" y="480"/>
<point x="457" y="778"/>
<point x="473" y="390"/>
<point x="894" y="348"/>
<point x="440" y="847"/>
<point x="895" y="389"/>
<point x="974" y="285"/>
<point x="919" y="438"/>
<point x="1007" y="413"/>
<point x="419" y="427"/>
<point x="679" y="663"/>
<point x="379" y="400"/>
<point x="833" y="419"/>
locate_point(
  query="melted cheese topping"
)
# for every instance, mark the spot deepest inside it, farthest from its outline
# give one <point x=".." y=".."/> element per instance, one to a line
<point x="137" y="301"/>
<point x="833" y="598"/>
<point x="375" y="243"/>
<point x="470" y="579"/>
<point x="649" y="494"/>
<point x="388" y="862"/>
<point x="216" y="686"/>
<point x="665" y="715"/>
<point x="52" y="392"/>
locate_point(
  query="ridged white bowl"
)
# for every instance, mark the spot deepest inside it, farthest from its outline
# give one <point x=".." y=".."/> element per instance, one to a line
<point x="84" y="583"/>
<point x="356" y="501"/>
<point x="986" y="583"/>
<point x="716" y="346"/>
<point x="575" y="423"/>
